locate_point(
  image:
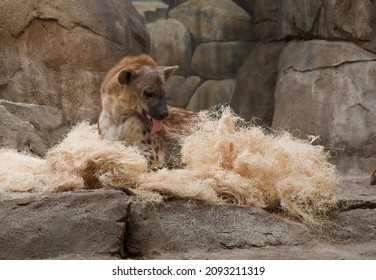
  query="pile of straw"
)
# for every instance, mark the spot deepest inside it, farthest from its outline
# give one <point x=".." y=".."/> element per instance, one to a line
<point x="227" y="161"/>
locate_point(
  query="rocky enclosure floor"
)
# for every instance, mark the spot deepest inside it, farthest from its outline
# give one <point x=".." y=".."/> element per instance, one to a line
<point x="109" y="224"/>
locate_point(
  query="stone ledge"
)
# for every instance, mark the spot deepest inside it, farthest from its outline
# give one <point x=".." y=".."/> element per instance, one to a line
<point x="109" y="224"/>
<point x="47" y="226"/>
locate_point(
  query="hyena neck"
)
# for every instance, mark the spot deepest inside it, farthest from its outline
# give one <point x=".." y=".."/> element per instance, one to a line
<point x="118" y="109"/>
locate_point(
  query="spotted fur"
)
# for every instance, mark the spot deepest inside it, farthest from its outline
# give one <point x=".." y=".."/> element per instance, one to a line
<point x="134" y="110"/>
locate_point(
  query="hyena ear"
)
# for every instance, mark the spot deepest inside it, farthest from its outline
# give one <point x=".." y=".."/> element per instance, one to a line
<point x="125" y="76"/>
<point x="168" y="71"/>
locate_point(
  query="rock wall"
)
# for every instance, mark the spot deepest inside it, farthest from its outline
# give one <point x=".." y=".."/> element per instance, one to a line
<point x="109" y="224"/>
<point x="326" y="81"/>
<point x="208" y="39"/>
<point x="31" y="128"/>
<point x="53" y="57"/>
<point x="55" y="53"/>
<point x="303" y="65"/>
<point x="227" y="51"/>
<point x="253" y="96"/>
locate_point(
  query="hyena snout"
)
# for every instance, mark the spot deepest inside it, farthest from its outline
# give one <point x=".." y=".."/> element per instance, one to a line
<point x="159" y="112"/>
<point x="162" y="113"/>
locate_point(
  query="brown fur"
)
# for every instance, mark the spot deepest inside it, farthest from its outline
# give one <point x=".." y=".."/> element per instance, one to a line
<point x="133" y="94"/>
<point x="373" y="178"/>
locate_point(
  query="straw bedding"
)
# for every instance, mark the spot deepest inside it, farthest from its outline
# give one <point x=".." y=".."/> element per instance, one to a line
<point x="226" y="161"/>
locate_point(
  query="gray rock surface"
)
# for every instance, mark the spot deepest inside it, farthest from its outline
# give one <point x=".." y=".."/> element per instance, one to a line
<point x="31" y="128"/>
<point x="208" y="40"/>
<point x="253" y="96"/>
<point x="171" y="44"/>
<point x="180" y="89"/>
<point x="214" y="20"/>
<point x="266" y="13"/>
<point x="108" y="224"/>
<point x="211" y="93"/>
<point x="19" y="135"/>
<point x="327" y="89"/>
<point x="151" y="10"/>
<point x="332" y="19"/>
<point x="56" y="53"/>
<point x="312" y="251"/>
<point x="194" y="226"/>
<point x="220" y="60"/>
<point x="297" y="17"/>
<point x="42" y="227"/>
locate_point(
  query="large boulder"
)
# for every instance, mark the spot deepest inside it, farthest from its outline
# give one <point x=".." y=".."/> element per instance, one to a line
<point x="265" y="15"/>
<point x="214" y="20"/>
<point x="350" y="20"/>
<point x="266" y="18"/>
<point x="220" y="60"/>
<point x="298" y="17"/>
<point x="196" y="226"/>
<point x="56" y="53"/>
<point x="180" y="89"/>
<point x="31" y="128"/>
<point x="19" y="134"/>
<point x="211" y="93"/>
<point x="105" y="224"/>
<point x="253" y="96"/>
<point x="199" y="230"/>
<point x="328" y="89"/>
<point x="51" y="226"/>
<point x="171" y="44"/>
<point x="151" y="10"/>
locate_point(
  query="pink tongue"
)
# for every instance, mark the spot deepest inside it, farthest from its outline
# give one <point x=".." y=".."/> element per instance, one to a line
<point x="157" y="125"/>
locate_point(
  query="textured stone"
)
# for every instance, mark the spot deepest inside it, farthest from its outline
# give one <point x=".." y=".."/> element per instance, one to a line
<point x="247" y="5"/>
<point x="297" y="17"/>
<point x="211" y="93"/>
<point x="192" y="225"/>
<point x="56" y="53"/>
<point x="315" y="54"/>
<point x="19" y="134"/>
<point x="328" y="19"/>
<point x="107" y="224"/>
<point x="44" y="227"/>
<point x="171" y="44"/>
<point x="151" y="10"/>
<point x="214" y="20"/>
<point x="9" y="57"/>
<point x="357" y="193"/>
<point x="253" y="96"/>
<point x="357" y="224"/>
<point x="173" y="3"/>
<point x="30" y="128"/>
<point x="314" y="251"/>
<point x="264" y="10"/>
<point x="327" y="89"/>
<point x="180" y="89"/>
<point x="265" y="19"/>
<point x="220" y="60"/>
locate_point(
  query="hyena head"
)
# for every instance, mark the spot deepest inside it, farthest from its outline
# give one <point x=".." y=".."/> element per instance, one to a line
<point x="148" y="84"/>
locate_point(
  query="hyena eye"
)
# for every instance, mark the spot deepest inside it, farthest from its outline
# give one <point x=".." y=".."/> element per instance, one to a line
<point x="149" y="94"/>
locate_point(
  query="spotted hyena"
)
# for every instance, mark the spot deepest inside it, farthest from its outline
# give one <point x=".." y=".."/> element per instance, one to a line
<point x="134" y="110"/>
